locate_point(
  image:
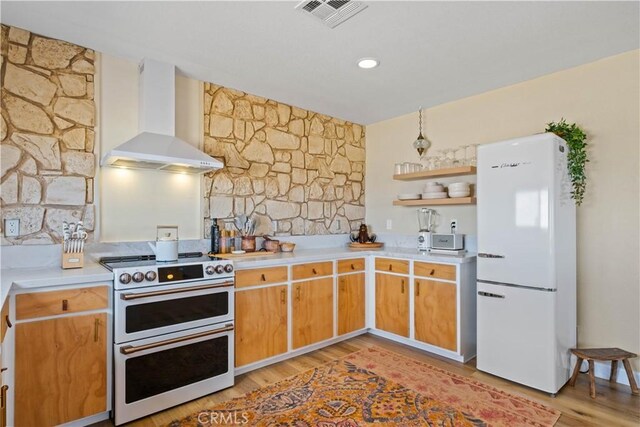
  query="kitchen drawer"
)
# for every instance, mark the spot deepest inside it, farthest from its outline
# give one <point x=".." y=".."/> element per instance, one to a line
<point x="261" y="276"/>
<point x="439" y="271"/>
<point x="350" y="265"/>
<point x="4" y="319"/>
<point x="40" y="304"/>
<point x="313" y="269"/>
<point x="392" y="265"/>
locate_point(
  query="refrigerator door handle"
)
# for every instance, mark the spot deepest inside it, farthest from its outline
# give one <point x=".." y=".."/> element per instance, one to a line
<point x="485" y="255"/>
<point x="489" y="294"/>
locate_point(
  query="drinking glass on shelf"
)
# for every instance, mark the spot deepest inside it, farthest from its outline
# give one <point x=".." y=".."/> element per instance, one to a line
<point x="406" y="167"/>
<point x="440" y="159"/>
<point x="448" y="159"/>
<point x="397" y="170"/>
<point x="462" y="160"/>
<point x="473" y="160"/>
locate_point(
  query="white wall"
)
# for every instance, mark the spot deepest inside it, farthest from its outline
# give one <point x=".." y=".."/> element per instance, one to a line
<point x="133" y="202"/>
<point x="602" y="97"/>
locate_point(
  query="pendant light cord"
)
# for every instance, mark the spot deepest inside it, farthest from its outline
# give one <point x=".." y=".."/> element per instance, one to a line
<point x="420" y="121"/>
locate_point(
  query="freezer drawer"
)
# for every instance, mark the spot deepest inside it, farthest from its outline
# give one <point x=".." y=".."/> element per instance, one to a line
<point x="517" y="336"/>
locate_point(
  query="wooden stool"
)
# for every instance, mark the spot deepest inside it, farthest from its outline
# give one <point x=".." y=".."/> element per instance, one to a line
<point x="603" y="354"/>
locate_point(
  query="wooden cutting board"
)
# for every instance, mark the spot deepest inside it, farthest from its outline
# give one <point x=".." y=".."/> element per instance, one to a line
<point x="244" y="255"/>
<point x="374" y="245"/>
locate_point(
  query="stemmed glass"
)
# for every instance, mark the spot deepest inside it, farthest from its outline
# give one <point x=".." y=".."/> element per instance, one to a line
<point x="449" y="157"/>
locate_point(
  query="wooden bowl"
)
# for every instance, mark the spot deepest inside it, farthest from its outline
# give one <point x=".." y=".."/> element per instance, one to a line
<point x="287" y="246"/>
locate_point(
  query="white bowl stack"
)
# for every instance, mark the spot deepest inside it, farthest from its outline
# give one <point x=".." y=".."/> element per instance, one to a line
<point x="434" y="190"/>
<point x="459" y="189"/>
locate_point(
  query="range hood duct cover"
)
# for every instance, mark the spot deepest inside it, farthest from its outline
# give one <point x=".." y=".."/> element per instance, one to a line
<point x="156" y="146"/>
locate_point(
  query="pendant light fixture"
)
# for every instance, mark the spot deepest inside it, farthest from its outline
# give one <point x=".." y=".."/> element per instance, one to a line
<point x="421" y="144"/>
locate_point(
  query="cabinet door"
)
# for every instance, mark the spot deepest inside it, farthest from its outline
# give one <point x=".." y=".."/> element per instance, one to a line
<point x="312" y="311"/>
<point x="392" y="304"/>
<point x="61" y="369"/>
<point x="261" y="324"/>
<point x="436" y="314"/>
<point x="350" y="303"/>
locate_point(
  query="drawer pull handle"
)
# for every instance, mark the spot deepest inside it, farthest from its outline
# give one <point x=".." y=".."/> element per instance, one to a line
<point x="298" y="292"/>
<point x="65" y="305"/>
<point x="314" y="271"/>
<point x="402" y="286"/>
<point x="129" y="349"/>
<point x="283" y="295"/>
<point x="353" y="267"/>
<point x="96" y="330"/>
<point x="417" y="288"/>
<point x="390" y="267"/>
<point x="432" y="272"/>
<point x="263" y="277"/>
<point x="6" y="319"/>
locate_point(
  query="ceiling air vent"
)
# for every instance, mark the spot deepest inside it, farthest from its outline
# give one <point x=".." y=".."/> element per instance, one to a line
<point x="332" y="12"/>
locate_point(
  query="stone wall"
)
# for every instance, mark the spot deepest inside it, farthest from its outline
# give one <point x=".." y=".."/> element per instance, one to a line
<point x="47" y="134"/>
<point x="285" y="165"/>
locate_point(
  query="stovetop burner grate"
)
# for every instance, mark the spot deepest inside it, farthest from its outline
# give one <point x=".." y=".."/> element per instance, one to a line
<point x="112" y="260"/>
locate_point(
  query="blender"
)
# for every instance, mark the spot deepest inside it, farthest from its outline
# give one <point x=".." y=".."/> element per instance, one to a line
<point x="425" y="222"/>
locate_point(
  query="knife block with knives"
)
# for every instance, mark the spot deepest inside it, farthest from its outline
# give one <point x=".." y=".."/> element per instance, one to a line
<point x="74" y="237"/>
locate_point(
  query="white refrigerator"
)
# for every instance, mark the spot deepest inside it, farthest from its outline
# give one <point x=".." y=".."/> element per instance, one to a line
<point x="526" y="261"/>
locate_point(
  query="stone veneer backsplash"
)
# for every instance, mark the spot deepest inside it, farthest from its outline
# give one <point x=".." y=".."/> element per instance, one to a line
<point x="47" y="134"/>
<point x="299" y="169"/>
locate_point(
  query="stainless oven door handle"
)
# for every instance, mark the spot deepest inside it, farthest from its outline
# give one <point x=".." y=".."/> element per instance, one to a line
<point x="128" y="297"/>
<point x="129" y="349"/>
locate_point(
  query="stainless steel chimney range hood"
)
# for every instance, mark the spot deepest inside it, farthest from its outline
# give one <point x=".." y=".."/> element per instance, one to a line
<point x="156" y="146"/>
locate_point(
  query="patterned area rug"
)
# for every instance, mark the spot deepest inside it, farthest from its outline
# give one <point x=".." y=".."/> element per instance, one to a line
<point x="375" y="386"/>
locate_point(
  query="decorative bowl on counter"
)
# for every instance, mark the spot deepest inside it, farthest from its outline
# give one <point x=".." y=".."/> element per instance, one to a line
<point x="287" y="246"/>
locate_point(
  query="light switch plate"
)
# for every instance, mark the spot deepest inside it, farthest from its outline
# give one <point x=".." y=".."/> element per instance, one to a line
<point x="11" y="227"/>
<point x="389" y="224"/>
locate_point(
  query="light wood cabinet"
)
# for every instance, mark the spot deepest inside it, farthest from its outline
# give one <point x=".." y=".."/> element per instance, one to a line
<point x="392" y="304"/>
<point x="392" y="265"/>
<point x="438" y="271"/>
<point x="312" y="311"/>
<point x="310" y="270"/>
<point x="351" y="303"/>
<point x="61" y="369"/>
<point x="261" y="276"/>
<point x="436" y="313"/>
<point x="261" y="324"/>
<point x="40" y="304"/>
<point x="350" y="265"/>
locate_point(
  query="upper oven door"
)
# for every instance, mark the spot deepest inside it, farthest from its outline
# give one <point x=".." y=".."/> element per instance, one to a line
<point x="143" y="313"/>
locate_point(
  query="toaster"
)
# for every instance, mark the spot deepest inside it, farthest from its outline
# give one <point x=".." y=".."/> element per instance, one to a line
<point x="448" y="241"/>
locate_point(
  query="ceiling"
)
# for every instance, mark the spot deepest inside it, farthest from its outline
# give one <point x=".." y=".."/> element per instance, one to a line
<point x="430" y="52"/>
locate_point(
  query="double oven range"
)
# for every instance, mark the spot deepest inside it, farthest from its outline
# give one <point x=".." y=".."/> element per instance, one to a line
<point x="173" y="331"/>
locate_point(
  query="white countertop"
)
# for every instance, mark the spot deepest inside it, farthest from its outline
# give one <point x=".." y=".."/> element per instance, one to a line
<point x="39" y="277"/>
<point x="307" y="255"/>
<point x="26" y="278"/>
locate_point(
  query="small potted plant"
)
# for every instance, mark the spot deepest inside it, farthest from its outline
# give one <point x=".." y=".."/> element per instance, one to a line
<point x="577" y="156"/>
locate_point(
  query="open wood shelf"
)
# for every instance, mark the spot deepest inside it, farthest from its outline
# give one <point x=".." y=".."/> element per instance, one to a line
<point x="436" y="202"/>
<point x="438" y="173"/>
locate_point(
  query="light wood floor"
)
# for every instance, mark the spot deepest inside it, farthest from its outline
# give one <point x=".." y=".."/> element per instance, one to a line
<point x="614" y="406"/>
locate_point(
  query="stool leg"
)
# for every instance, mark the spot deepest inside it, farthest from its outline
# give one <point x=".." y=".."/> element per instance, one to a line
<point x="614" y="371"/>
<point x="576" y="371"/>
<point x="632" y="381"/>
<point x="592" y="379"/>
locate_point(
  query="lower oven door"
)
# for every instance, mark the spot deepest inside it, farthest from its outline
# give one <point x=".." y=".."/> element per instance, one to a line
<point x="142" y="313"/>
<point x="157" y="373"/>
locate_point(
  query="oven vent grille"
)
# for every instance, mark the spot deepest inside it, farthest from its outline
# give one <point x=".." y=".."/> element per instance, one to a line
<point x="331" y="12"/>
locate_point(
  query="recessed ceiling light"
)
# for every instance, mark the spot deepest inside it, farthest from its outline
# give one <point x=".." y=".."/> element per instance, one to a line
<point x="367" y="63"/>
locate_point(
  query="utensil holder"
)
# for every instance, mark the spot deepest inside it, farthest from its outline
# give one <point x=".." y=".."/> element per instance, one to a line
<point x="72" y="260"/>
<point x="248" y="243"/>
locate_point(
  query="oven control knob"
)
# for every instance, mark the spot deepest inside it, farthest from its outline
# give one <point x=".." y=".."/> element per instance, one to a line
<point x="125" y="278"/>
<point x="137" y="277"/>
<point x="150" y="275"/>
<point x="219" y="269"/>
<point x="209" y="270"/>
<point x="228" y="268"/>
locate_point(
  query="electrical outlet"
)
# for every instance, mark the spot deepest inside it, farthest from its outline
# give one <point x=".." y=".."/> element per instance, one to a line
<point x="338" y="225"/>
<point x="454" y="225"/>
<point x="389" y="224"/>
<point x="11" y="227"/>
